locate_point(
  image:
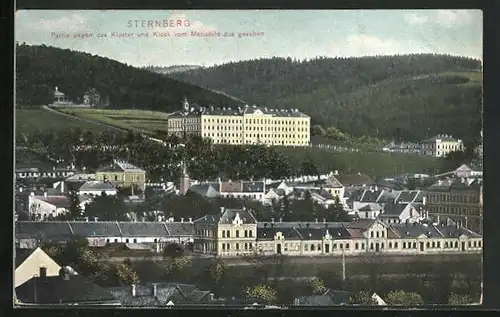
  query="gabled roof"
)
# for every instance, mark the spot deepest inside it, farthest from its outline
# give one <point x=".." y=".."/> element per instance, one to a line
<point x="143" y="229"/>
<point x="415" y="230"/>
<point x="205" y="190"/>
<point x="46" y="230"/>
<point x="253" y="187"/>
<point x="180" y="229"/>
<point x="165" y="292"/>
<point x="362" y="224"/>
<point x="58" y="201"/>
<point x="56" y="290"/>
<point x="230" y="187"/>
<point x="301" y="230"/>
<point x="230" y="214"/>
<point x="121" y="166"/>
<point x="370" y="207"/>
<point x="393" y="210"/>
<point x="95" y="229"/>
<point x="96" y="185"/>
<point x="442" y="137"/>
<point x="333" y="182"/>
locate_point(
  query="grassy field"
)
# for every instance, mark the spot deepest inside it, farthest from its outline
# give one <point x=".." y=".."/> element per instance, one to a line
<point x="139" y="120"/>
<point x="371" y="163"/>
<point x="37" y="119"/>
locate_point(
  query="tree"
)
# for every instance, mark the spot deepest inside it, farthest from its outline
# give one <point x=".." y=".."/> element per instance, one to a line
<point x="402" y="298"/>
<point x="107" y="208"/>
<point x="261" y="293"/>
<point x="317" y="130"/>
<point x="126" y="274"/>
<point x="216" y="272"/>
<point x="316" y="286"/>
<point x="460" y="299"/>
<point x="75" y="210"/>
<point x="177" y="268"/>
<point x="363" y="298"/>
<point x="309" y="167"/>
<point x="336" y="212"/>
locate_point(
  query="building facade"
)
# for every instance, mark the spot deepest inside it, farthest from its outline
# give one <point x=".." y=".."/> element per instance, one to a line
<point x="231" y="233"/>
<point x="459" y="199"/>
<point x="236" y="233"/>
<point x="441" y="145"/>
<point x="122" y="174"/>
<point x="242" y="125"/>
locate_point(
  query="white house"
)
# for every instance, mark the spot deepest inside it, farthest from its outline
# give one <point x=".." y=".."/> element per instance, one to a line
<point x="41" y="207"/>
<point x="369" y="211"/>
<point x="399" y="213"/>
<point x="28" y="264"/>
<point x="96" y="188"/>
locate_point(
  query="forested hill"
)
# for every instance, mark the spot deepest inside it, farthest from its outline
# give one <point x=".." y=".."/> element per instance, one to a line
<point x="407" y="96"/>
<point x="41" y="68"/>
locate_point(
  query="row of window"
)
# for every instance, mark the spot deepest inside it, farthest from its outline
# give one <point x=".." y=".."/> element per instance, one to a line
<point x="227" y="246"/>
<point x="258" y="121"/>
<point x="269" y="142"/>
<point x="454" y="211"/>
<point x="253" y="128"/>
<point x="453" y="198"/>
<point x="247" y="233"/>
<point x="254" y="135"/>
<point x="379" y="234"/>
<point x="127" y="178"/>
<point x="240" y="196"/>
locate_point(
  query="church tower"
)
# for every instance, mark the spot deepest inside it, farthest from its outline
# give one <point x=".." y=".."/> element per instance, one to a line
<point x="184" y="181"/>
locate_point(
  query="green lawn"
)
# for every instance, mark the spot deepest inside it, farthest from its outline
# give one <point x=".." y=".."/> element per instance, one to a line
<point x="37" y="119"/>
<point x="139" y="120"/>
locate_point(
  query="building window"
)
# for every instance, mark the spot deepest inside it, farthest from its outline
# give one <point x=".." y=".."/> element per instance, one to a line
<point x="390" y="245"/>
<point x="404" y="245"/>
<point x="395" y="245"/>
<point x="371" y="234"/>
<point x="362" y="246"/>
<point x="237" y="246"/>
<point x="223" y="247"/>
<point x="305" y="247"/>
<point x="229" y="234"/>
<point x="250" y="245"/>
<point x="126" y="240"/>
<point x="250" y="233"/>
<point x="237" y="233"/>
<point x="428" y="245"/>
<point x="107" y="240"/>
<point x="312" y="247"/>
<point x="156" y="240"/>
<point x="116" y="177"/>
<point x="246" y="233"/>
<point x="371" y="246"/>
<point x="246" y="246"/>
<point x="116" y="240"/>
<point x="433" y="244"/>
<point x="228" y="246"/>
<point x="223" y="233"/>
<point x="319" y="247"/>
<point x="382" y="234"/>
<point x="356" y="246"/>
<point x="377" y="234"/>
<point x="347" y="246"/>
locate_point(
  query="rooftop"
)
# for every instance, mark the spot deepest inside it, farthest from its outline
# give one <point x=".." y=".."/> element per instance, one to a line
<point x="238" y="111"/>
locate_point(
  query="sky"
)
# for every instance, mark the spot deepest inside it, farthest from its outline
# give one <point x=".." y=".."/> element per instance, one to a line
<point x="257" y="33"/>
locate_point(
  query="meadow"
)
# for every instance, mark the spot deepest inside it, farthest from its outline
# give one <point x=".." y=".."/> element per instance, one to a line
<point x="143" y="121"/>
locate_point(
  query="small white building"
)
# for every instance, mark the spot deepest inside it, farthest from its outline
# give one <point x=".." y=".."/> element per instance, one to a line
<point x="41" y="207"/>
<point x="441" y="145"/>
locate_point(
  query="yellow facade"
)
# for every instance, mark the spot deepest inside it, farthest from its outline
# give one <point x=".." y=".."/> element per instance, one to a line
<point x="441" y="145"/>
<point x="122" y="174"/>
<point x="248" y="125"/>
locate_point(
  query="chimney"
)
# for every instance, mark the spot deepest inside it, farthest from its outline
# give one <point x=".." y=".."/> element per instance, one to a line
<point x="316" y="220"/>
<point x="62" y="187"/>
<point x="424" y="200"/>
<point x="182" y="219"/>
<point x="221" y="210"/>
<point x="86" y="219"/>
<point x="43" y="272"/>
<point x="324" y="220"/>
<point x="281" y="219"/>
<point x="211" y="296"/>
<point x="133" y="289"/>
<point x="272" y="220"/>
<point x="45" y="194"/>
<point x="20" y="189"/>
<point x="96" y="219"/>
<point x="190" y="219"/>
<point x="32" y="194"/>
<point x="154" y="290"/>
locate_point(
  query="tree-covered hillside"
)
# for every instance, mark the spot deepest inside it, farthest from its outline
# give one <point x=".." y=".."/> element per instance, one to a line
<point x="41" y="68"/>
<point x="409" y="96"/>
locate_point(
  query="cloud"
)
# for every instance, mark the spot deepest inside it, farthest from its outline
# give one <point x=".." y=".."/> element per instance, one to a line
<point x="449" y="18"/>
<point x="445" y="18"/>
<point x="416" y="19"/>
<point x="363" y="44"/>
<point x="72" y="22"/>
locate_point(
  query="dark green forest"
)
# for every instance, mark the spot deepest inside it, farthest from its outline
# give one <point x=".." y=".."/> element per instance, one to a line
<point x="409" y="96"/>
<point x="41" y="68"/>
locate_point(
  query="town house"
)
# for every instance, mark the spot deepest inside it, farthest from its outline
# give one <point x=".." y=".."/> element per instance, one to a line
<point x="123" y="174"/>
